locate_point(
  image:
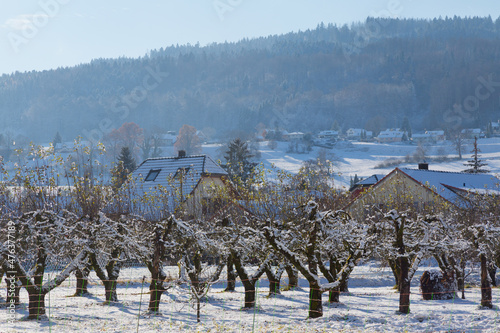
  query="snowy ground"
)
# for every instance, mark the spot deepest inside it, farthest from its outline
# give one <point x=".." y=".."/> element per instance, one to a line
<point x="369" y="307"/>
<point x="351" y="157"/>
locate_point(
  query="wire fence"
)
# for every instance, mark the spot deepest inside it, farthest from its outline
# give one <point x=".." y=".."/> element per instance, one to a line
<point x="363" y="309"/>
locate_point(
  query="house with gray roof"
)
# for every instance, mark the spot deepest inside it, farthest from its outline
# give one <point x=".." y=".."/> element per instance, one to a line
<point x="186" y="183"/>
<point x="422" y="188"/>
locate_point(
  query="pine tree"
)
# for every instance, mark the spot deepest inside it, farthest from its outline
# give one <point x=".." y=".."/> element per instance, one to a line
<point x="57" y="139"/>
<point x="489" y="130"/>
<point x="475" y="164"/>
<point x="335" y="125"/>
<point x="127" y="159"/>
<point x="405" y="127"/>
<point x="238" y="163"/>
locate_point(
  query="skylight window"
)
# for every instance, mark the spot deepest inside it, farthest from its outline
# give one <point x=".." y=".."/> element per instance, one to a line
<point x="153" y="173"/>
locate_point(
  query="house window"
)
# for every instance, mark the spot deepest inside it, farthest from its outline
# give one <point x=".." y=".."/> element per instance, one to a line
<point x="181" y="172"/>
<point x="153" y="173"/>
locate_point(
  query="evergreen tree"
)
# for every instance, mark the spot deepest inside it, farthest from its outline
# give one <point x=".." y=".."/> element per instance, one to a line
<point x="335" y="126"/>
<point x="118" y="176"/>
<point x="238" y="163"/>
<point x="124" y="166"/>
<point x="57" y="139"/>
<point x="489" y="130"/>
<point x="405" y="127"/>
<point x="475" y="164"/>
<point x="127" y="159"/>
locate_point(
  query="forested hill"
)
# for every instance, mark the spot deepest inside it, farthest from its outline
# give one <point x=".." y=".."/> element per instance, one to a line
<point x="438" y="73"/>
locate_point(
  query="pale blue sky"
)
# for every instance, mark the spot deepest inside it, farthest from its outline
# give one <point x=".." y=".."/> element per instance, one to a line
<point x="45" y="34"/>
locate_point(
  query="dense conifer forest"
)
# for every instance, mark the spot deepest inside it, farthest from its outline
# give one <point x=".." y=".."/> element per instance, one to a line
<point x="438" y="73"/>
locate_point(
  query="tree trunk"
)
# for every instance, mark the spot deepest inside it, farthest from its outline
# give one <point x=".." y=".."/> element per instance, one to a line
<point x="334" y="295"/>
<point x="492" y="270"/>
<point x="293" y="277"/>
<point x="486" y="295"/>
<point x="36" y="305"/>
<point x="396" y="271"/>
<point x="274" y="283"/>
<point x="231" y="275"/>
<point x="250" y="292"/>
<point x="461" y="284"/>
<point x="344" y="285"/>
<point x="315" y="303"/>
<point x="156" y="290"/>
<point x="110" y="292"/>
<point x="82" y="281"/>
<point x="404" y="293"/>
<point x="198" y="310"/>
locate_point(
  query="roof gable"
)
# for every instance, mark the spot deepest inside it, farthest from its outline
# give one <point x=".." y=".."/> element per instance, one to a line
<point x="448" y="185"/>
<point x="442" y="181"/>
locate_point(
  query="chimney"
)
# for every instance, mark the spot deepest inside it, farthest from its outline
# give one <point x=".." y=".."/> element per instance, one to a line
<point x="182" y="153"/>
<point x="423" y="166"/>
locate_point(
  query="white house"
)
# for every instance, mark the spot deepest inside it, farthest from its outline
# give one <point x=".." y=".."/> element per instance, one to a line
<point x="428" y="136"/>
<point x="390" y="135"/>
<point x="168" y="139"/>
<point x="328" y="134"/>
<point x="356" y="133"/>
<point x="470" y="133"/>
<point x="294" y="136"/>
<point x="495" y="127"/>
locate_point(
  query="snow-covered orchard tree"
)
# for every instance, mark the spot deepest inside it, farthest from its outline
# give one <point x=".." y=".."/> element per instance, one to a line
<point x="155" y="259"/>
<point x="43" y="239"/>
<point x="195" y="242"/>
<point x="480" y="226"/>
<point x="276" y="194"/>
<point x="309" y="241"/>
<point x="113" y="240"/>
<point x="246" y="246"/>
<point x="453" y="248"/>
<point x="405" y="240"/>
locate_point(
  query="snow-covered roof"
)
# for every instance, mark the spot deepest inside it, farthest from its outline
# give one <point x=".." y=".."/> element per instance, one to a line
<point x="421" y="135"/>
<point x="169" y="172"/>
<point x="358" y="131"/>
<point x="471" y="131"/>
<point x="391" y="134"/>
<point x="442" y="181"/>
<point x="328" y="133"/>
<point x="435" y="133"/>
<point x="373" y="179"/>
<point x="168" y="136"/>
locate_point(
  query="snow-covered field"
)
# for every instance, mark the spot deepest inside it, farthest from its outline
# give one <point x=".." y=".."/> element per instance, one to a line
<point x="369" y="307"/>
<point x="351" y="157"/>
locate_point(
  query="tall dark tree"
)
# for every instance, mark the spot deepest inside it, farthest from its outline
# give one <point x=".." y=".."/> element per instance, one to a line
<point x="57" y="139"/>
<point x="127" y="159"/>
<point x="238" y="163"/>
<point x="475" y="165"/>
<point x="124" y="166"/>
<point x="405" y="127"/>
